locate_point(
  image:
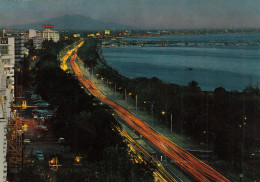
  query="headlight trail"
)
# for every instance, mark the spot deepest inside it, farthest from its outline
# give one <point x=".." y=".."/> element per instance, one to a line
<point x="194" y="167"/>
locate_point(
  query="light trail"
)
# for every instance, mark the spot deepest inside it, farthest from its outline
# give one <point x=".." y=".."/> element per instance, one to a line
<point x="187" y="162"/>
<point x="161" y="170"/>
<point x="64" y="59"/>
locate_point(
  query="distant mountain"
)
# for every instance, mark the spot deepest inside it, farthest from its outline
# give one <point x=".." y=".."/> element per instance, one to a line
<point x="73" y="22"/>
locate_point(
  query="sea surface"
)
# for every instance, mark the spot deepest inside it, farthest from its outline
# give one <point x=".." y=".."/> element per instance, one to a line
<point x="232" y="68"/>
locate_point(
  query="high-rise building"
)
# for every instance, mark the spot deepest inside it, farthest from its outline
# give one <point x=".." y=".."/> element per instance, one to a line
<point x="38" y="36"/>
<point x="7" y="50"/>
<point x="49" y="34"/>
<point x="19" y="48"/>
<point x="4" y="107"/>
<point x="3" y="148"/>
<point x="37" y="42"/>
<point x="2" y="32"/>
<point x="32" y="33"/>
<point x="8" y="45"/>
<point x="19" y="39"/>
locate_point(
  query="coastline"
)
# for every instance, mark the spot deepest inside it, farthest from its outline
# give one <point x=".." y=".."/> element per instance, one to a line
<point x="178" y="67"/>
<point x="102" y="78"/>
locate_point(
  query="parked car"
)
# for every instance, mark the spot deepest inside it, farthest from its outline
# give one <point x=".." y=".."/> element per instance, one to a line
<point x="61" y="140"/>
<point x="39" y="155"/>
<point x="26" y="141"/>
<point x="42" y="104"/>
<point x="41" y="127"/>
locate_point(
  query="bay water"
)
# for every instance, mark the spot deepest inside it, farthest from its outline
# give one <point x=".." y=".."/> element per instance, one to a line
<point x="232" y="68"/>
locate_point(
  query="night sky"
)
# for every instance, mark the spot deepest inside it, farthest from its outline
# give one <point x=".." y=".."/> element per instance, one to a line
<point x="139" y="13"/>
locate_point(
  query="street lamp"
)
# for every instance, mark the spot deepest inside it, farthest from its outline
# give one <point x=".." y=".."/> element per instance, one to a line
<point x="115" y="89"/>
<point x="171" y="122"/>
<point x="152" y="113"/>
<point x="143" y="106"/>
<point x="241" y="175"/>
<point x="136" y="102"/>
<point x="77" y="159"/>
<point x="125" y="95"/>
<point x="152" y="104"/>
<point x="163" y="116"/>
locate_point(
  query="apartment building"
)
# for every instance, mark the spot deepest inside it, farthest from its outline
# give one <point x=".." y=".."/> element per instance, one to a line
<point x="4" y="109"/>
<point x="49" y="34"/>
<point x="19" y="39"/>
<point x="7" y="50"/>
<point x="37" y="42"/>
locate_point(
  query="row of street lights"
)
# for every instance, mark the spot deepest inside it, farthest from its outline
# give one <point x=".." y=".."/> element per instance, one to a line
<point x="163" y="113"/>
<point x="126" y="94"/>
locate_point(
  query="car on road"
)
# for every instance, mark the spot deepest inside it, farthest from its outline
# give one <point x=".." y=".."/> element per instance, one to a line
<point x="39" y="155"/>
<point x="26" y="141"/>
<point x="61" y="140"/>
<point x="41" y="127"/>
<point x="42" y="104"/>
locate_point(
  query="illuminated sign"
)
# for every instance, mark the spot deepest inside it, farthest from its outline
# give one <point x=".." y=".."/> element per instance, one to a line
<point x="47" y="26"/>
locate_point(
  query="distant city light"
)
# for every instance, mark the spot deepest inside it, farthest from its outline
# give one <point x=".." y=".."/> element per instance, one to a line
<point x="107" y="32"/>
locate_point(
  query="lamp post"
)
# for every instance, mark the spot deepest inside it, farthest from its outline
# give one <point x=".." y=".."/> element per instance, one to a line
<point x="171" y="122"/>
<point x="241" y="175"/>
<point x="125" y="94"/>
<point x="163" y="113"/>
<point x="136" y="102"/>
<point x="129" y="95"/>
<point x="115" y="89"/>
<point x="152" y="113"/>
<point x="209" y="136"/>
<point x="151" y="109"/>
<point x="144" y="106"/>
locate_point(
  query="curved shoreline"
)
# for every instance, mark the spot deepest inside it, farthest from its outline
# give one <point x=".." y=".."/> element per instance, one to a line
<point x="174" y="66"/>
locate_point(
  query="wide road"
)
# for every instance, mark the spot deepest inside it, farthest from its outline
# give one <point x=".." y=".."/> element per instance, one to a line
<point x="160" y="173"/>
<point x="187" y="162"/>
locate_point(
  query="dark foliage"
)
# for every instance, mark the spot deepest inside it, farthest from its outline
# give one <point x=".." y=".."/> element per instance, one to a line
<point x="213" y="118"/>
<point x="87" y="127"/>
